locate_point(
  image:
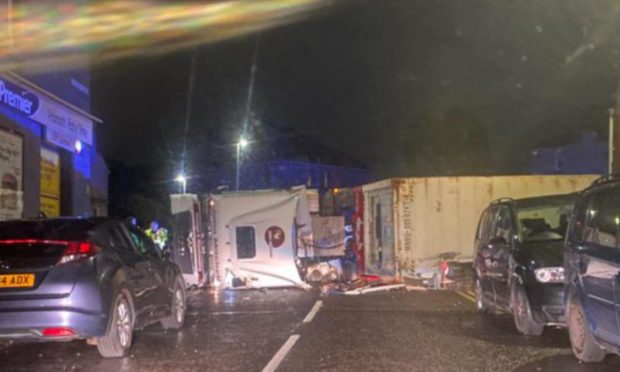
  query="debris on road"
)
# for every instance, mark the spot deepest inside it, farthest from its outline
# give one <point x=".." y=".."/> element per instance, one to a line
<point x="356" y="292"/>
<point x="366" y="284"/>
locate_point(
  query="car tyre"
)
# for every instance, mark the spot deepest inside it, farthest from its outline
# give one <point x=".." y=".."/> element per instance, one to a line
<point x="117" y="342"/>
<point x="481" y="302"/>
<point x="581" y="340"/>
<point x="522" y="313"/>
<point x="178" y="307"/>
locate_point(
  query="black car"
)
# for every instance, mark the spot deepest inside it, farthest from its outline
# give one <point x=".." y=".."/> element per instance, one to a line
<point x="92" y="279"/>
<point x="518" y="264"/>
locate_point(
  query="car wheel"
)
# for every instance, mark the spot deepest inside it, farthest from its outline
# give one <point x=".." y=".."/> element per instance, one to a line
<point x="481" y="303"/>
<point x="178" y="307"/>
<point x="581" y="340"/>
<point x="117" y="341"/>
<point x="522" y="313"/>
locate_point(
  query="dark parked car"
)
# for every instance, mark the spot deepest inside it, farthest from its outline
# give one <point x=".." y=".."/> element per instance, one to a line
<point x="518" y="265"/>
<point x="592" y="266"/>
<point x="93" y="279"/>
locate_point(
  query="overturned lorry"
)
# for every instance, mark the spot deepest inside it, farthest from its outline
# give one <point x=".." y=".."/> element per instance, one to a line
<point x="253" y="239"/>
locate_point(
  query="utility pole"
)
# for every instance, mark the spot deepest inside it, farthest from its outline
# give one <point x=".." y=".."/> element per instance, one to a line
<point x="610" y="168"/>
<point x="614" y="156"/>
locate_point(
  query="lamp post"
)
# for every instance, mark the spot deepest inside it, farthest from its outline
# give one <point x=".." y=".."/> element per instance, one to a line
<point x="243" y="143"/>
<point x="181" y="178"/>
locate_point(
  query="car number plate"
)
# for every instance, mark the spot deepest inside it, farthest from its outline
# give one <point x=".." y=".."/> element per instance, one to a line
<point x="17" y="281"/>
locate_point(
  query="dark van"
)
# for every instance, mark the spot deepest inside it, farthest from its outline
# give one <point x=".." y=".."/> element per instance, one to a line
<point x="592" y="267"/>
<point x="518" y="264"/>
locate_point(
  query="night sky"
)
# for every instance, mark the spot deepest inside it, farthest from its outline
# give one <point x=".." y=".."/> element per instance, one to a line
<point x="405" y="87"/>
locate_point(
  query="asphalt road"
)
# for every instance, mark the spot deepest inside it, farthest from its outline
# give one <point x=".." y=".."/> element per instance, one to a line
<point x="287" y="329"/>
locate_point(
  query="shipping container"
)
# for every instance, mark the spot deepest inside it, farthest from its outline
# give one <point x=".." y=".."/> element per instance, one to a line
<point x="408" y="220"/>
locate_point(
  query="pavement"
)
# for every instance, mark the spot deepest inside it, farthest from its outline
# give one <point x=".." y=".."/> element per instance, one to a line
<point x="295" y="330"/>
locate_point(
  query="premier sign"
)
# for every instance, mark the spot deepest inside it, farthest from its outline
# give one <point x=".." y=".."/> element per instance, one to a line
<point x="64" y="126"/>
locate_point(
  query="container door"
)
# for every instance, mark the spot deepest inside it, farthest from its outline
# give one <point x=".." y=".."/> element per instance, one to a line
<point x="382" y="258"/>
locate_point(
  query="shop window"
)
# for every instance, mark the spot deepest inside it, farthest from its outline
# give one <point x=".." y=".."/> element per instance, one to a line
<point x="246" y="242"/>
<point x="11" y="180"/>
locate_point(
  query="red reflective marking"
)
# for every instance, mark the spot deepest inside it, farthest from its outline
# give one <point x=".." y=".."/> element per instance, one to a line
<point x="58" y="332"/>
<point x="83" y="249"/>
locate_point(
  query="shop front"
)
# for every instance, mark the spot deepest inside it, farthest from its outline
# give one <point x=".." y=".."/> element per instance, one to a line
<point x="48" y="154"/>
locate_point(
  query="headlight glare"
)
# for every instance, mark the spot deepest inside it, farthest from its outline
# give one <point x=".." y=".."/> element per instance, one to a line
<point x="550" y="274"/>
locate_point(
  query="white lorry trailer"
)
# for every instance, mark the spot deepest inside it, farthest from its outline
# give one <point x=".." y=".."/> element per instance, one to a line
<point x="409" y="220"/>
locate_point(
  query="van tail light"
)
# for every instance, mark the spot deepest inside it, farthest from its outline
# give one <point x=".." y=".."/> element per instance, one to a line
<point x="77" y="251"/>
<point x="58" y="332"/>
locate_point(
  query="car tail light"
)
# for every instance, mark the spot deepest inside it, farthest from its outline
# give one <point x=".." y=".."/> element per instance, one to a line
<point x="58" y="332"/>
<point x="77" y="251"/>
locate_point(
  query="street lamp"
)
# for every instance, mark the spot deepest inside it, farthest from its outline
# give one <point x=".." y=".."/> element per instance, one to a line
<point x="243" y="143"/>
<point x="181" y="178"/>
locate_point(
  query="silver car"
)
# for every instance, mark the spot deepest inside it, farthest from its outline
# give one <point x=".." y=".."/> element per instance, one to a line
<point x="93" y="279"/>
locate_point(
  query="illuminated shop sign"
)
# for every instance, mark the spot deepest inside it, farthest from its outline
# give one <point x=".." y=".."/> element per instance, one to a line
<point x="64" y="126"/>
<point x="17" y="99"/>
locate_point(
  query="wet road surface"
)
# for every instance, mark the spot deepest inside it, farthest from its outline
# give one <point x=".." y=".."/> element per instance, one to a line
<point x="390" y="331"/>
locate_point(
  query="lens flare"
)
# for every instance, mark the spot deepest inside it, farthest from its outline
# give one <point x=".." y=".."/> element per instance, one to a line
<point x="62" y="35"/>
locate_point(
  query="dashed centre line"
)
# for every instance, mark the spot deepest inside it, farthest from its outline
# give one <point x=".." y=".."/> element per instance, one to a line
<point x="274" y="363"/>
<point x="315" y="309"/>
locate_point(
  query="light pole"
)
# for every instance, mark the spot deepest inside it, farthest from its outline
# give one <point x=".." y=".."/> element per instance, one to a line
<point x="243" y="143"/>
<point x="181" y="178"/>
<point x="612" y="142"/>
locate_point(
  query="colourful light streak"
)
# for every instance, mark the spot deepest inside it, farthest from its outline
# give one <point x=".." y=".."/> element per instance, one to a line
<point x="43" y="35"/>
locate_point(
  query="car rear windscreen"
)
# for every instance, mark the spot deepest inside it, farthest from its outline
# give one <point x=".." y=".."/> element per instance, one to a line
<point x="38" y="244"/>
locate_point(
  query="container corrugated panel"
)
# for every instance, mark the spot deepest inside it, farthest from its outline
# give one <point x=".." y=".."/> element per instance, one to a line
<point x="430" y="216"/>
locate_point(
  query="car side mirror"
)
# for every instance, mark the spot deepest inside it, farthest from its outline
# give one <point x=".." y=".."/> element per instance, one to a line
<point x="166" y="253"/>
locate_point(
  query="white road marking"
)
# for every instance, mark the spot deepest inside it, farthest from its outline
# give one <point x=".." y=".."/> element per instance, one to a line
<point x="315" y="309"/>
<point x="274" y="363"/>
